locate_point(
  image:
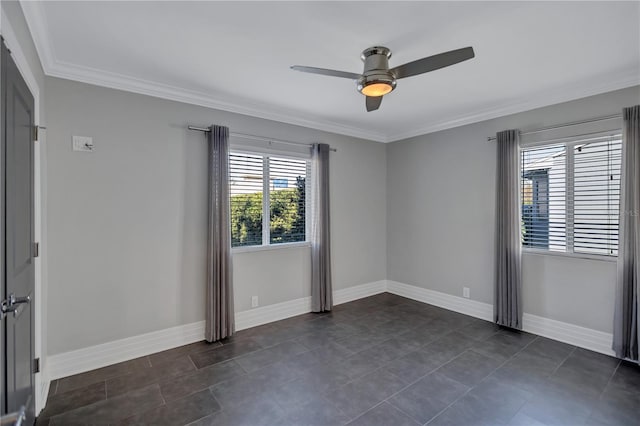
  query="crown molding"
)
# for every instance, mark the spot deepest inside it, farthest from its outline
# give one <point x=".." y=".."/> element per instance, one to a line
<point x="55" y="68"/>
<point x="159" y="90"/>
<point x="39" y="30"/>
<point x="608" y="83"/>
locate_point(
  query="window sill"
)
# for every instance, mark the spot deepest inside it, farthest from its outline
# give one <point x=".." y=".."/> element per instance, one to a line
<point x="249" y="249"/>
<point x="598" y="257"/>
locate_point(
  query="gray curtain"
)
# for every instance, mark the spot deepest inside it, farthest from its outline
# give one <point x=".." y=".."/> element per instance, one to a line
<point x="219" y="303"/>
<point x="321" y="293"/>
<point x="626" y="333"/>
<point x="508" y="292"/>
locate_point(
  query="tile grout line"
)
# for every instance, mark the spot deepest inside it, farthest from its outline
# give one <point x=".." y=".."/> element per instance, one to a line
<point x="599" y="398"/>
<point x="231" y="359"/>
<point x="383" y="365"/>
<point x="164" y="401"/>
<point x="210" y="414"/>
<point x="194" y="391"/>
<point x="283" y="331"/>
<point x="615" y="370"/>
<point x="555" y="370"/>
<point x="375" y="369"/>
<point x="454" y="330"/>
<point x="557" y="367"/>
<point x="192" y="363"/>
<point x="490" y="374"/>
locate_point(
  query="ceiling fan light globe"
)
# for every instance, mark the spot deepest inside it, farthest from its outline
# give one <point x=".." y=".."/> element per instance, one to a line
<point x="376" y="89"/>
<point x="376" y="83"/>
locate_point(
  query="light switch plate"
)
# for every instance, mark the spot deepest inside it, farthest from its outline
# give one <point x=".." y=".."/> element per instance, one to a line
<point x="83" y="143"/>
<point x="466" y="292"/>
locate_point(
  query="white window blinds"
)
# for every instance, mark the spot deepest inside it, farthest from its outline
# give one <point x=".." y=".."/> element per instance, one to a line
<point x="268" y="199"/>
<point x="570" y="194"/>
<point x="287" y="200"/>
<point x="596" y="196"/>
<point x="245" y="189"/>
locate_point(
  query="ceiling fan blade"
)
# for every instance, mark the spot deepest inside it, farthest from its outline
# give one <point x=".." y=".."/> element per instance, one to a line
<point x="373" y="103"/>
<point x="323" y="71"/>
<point x="434" y="62"/>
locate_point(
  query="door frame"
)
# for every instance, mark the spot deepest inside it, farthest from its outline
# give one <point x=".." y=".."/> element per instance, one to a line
<point x="17" y="53"/>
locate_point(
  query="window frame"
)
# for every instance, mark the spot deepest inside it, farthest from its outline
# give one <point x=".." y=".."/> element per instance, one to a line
<point x="266" y="199"/>
<point x="569" y="144"/>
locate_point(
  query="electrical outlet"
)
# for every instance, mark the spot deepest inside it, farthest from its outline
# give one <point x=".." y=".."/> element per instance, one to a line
<point x="254" y="301"/>
<point x="465" y="292"/>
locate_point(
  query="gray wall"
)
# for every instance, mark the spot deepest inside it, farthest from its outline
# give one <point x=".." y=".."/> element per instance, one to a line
<point x="127" y="223"/>
<point x="441" y="216"/>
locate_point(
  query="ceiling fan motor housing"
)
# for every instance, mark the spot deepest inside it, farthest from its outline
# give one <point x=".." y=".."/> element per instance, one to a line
<point x="376" y="68"/>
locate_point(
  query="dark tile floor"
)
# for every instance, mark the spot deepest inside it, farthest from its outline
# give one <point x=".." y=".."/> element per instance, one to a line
<point x="383" y="360"/>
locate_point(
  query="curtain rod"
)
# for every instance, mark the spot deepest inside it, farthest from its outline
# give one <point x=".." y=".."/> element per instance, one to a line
<point x="560" y="126"/>
<point x="257" y="138"/>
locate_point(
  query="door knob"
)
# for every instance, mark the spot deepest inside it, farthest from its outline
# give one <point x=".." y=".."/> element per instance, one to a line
<point x="13" y="303"/>
<point x="18" y="300"/>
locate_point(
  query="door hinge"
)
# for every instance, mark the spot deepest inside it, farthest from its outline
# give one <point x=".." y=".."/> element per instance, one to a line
<point x="36" y="249"/>
<point x="36" y="132"/>
<point x="36" y="365"/>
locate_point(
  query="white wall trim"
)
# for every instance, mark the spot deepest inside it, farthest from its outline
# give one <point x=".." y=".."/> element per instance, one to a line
<point x="453" y="303"/>
<point x="587" y="338"/>
<point x="86" y="359"/>
<point x="92" y="357"/>
<point x="609" y="83"/>
<point x="57" y="68"/>
<point x="359" y="291"/>
<point x="270" y="313"/>
<point x="38" y="28"/>
<point x="141" y="86"/>
<point x="81" y="360"/>
<point x="279" y="311"/>
<point x="53" y="67"/>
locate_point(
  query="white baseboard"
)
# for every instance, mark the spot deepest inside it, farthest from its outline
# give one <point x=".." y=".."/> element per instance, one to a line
<point x="42" y="384"/>
<point x="291" y="308"/>
<point x="453" y="303"/>
<point x="90" y="358"/>
<point x="81" y="360"/>
<point x="586" y="338"/>
<point x="271" y="313"/>
<point x="356" y="292"/>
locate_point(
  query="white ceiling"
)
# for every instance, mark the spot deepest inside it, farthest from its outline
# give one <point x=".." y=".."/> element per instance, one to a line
<point x="236" y="56"/>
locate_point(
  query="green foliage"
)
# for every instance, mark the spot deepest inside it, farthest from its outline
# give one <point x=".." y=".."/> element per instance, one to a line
<point x="246" y="219"/>
<point x="287" y="216"/>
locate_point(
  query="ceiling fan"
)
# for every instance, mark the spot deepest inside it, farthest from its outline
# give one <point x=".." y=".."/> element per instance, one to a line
<point x="377" y="79"/>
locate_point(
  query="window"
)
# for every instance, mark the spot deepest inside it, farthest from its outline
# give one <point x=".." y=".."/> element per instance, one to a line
<point x="570" y="195"/>
<point x="280" y="216"/>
